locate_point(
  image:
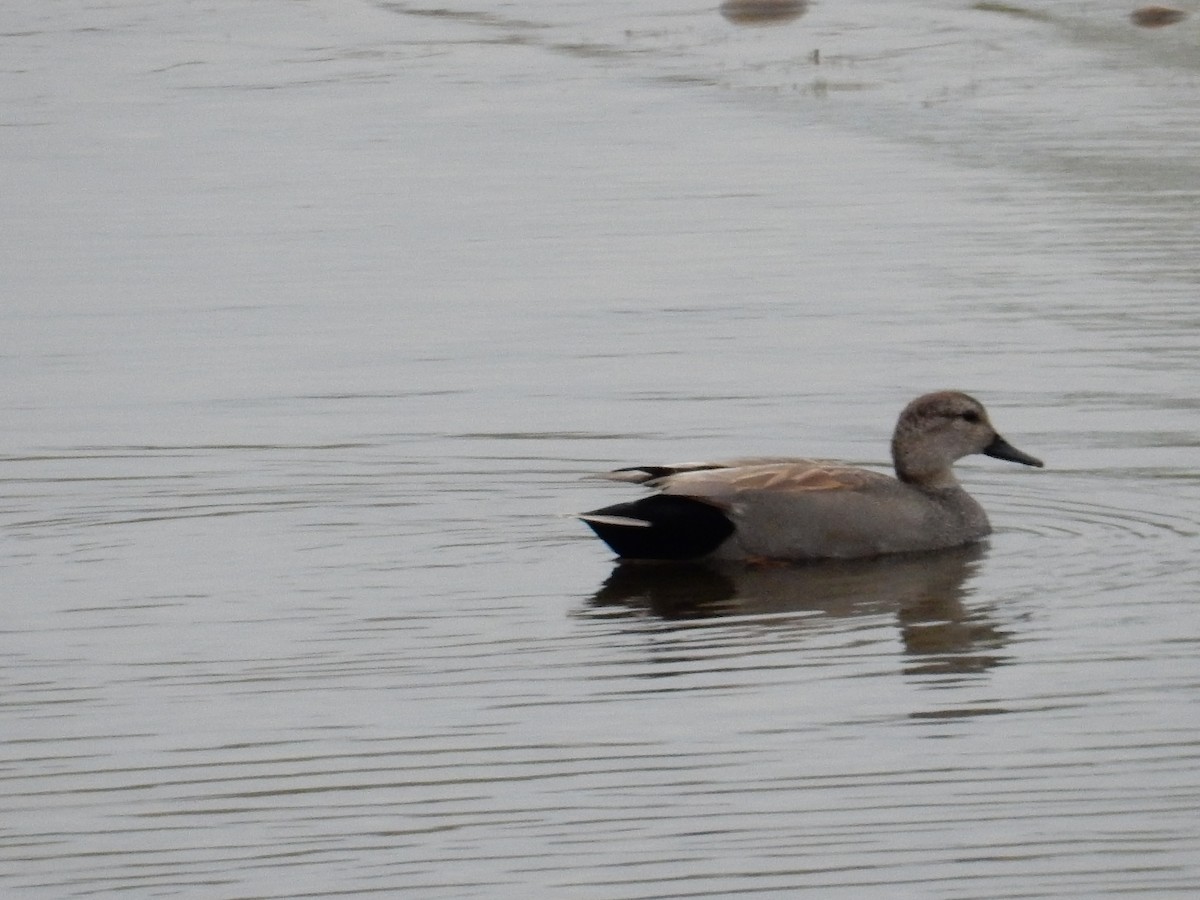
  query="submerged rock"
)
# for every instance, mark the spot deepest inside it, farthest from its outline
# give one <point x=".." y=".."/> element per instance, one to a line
<point x="762" y="12"/>
<point x="1156" y="16"/>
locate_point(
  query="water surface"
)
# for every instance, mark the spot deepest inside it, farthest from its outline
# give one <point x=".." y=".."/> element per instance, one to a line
<point x="316" y="315"/>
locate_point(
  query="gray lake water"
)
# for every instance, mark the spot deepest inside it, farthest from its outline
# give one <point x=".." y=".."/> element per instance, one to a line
<point x="316" y="314"/>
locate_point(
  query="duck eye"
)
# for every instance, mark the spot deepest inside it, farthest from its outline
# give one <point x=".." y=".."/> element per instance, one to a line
<point x="970" y="416"/>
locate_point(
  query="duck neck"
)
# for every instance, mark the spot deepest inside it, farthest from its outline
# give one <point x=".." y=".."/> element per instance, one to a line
<point x="941" y="480"/>
<point x="922" y="471"/>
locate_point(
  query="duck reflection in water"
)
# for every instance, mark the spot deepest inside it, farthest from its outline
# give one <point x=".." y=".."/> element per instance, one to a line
<point x="925" y="591"/>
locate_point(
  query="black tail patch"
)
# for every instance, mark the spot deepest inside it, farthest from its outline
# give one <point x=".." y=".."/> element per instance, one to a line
<point x="679" y="528"/>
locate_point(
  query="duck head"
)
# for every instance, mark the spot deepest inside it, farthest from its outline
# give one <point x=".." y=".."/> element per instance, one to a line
<point x="936" y="430"/>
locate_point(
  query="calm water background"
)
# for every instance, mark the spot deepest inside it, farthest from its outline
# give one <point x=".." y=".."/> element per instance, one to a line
<point x="316" y="313"/>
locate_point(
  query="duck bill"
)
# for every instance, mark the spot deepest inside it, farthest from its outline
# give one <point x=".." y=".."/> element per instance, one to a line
<point x="1002" y="449"/>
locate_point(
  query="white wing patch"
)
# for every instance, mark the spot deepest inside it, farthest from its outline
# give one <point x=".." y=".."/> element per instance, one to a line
<point x="619" y="521"/>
